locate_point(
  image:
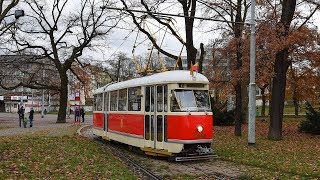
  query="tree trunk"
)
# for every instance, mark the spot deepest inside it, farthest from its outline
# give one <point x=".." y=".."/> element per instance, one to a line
<point x="238" y="32"/>
<point x="216" y="95"/>
<point x="280" y="67"/>
<point x="294" y="91"/>
<point x="263" y="97"/>
<point x="238" y="110"/>
<point x="296" y="107"/>
<point x="202" y="53"/>
<point x="278" y="95"/>
<point x="63" y="97"/>
<point x="191" y="50"/>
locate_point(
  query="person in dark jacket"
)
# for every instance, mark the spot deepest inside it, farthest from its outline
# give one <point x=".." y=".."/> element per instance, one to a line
<point x="21" y="115"/>
<point x="76" y="114"/>
<point x="31" y="116"/>
<point x="82" y="113"/>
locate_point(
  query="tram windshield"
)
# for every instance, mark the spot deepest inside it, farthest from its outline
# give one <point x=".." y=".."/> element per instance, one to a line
<point x="190" y="100"/>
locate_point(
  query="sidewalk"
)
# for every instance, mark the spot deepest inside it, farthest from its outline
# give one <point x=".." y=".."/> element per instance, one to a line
<point x="9" y="124"/>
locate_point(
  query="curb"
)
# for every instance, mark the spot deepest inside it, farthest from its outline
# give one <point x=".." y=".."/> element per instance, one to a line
<point x="79" y="131"/>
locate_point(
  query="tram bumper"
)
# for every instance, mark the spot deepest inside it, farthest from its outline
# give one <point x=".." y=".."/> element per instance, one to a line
<point x="201" y="153"/>
<point x="194" y="158"/>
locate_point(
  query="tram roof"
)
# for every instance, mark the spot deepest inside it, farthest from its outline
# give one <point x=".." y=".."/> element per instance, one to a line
<point x="168" y="77"/>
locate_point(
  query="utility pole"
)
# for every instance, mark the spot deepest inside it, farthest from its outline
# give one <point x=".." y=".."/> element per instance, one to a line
<point x="252" y="84"/>
<point x="32" y="98"/>
<point x="42" y="106"/>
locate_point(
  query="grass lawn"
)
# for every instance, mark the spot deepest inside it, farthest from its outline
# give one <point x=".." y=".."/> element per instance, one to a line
<point x="58" y="157"/>
<point x="297" y="156"/>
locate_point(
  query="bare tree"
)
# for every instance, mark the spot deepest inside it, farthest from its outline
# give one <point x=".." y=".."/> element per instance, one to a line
<point x="121" y="68"/>
<point x="61" y="35"/>
<point x="289" y="8"/>
<point x="6" y="12"/>
<point x="188" y="11"/>
<point x="233" y="13"/>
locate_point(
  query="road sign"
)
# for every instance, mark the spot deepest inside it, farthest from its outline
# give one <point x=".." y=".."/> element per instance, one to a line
<point x="77" y="96"/>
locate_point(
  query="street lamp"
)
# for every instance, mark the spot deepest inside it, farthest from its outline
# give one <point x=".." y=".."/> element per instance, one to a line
<point x="252" y="84"/>
<point x="18" y="13"/>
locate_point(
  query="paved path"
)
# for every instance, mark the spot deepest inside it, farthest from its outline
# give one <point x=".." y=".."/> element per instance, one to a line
<point x="9" y="123"/>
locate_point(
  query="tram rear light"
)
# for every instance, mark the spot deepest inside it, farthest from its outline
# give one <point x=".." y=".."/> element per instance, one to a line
<point x="199" y="128"/>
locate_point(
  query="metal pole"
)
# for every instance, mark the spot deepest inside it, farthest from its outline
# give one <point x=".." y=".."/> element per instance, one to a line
<point x="252" y="84"/>
<point x="32" y="98"/>
<point x="42" y="106"/>
<point x="49" y="102"/>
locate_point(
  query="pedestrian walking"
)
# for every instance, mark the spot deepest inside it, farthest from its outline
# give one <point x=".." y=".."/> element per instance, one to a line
<point x="21" y="115"/>
<point x="31" y="117"/>
<point x="76" y="114"/>
<point x="82" y="113"/>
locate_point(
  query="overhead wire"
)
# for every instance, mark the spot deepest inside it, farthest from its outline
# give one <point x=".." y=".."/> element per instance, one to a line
<point x="124" y="39"/>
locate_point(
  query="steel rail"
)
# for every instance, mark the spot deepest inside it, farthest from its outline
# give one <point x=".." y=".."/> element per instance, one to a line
<point x="130" y="162"/>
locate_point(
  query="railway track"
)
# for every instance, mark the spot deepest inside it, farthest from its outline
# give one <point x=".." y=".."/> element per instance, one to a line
<point x="120" y="152"/>
<point x="135" y="162"/>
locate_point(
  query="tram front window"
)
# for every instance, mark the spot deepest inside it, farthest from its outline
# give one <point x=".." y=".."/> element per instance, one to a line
<point x="190" y="101"/>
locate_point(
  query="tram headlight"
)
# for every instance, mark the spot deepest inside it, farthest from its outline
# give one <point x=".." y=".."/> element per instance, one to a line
<point x="199" y="128"/>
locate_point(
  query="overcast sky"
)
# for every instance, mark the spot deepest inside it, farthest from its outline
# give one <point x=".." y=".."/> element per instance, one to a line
<point x="123" y="39"/>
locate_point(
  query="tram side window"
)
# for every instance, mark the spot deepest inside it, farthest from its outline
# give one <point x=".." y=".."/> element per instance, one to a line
<point x="152" y="99"/>
<point x="159" y="98"/>
<point x="106" y="101"/>
<point x="134" y="99"/>
<point x="94" y="102"/>
<point x="147" y="99"/>
<point x="159" y="129"/>
<point x="147" y="127"/>
<point x="113" y="100"/>
<point x="98" y="102"/>
<point x="122" y="100"/>
<point x="162" y="100"/>
<point x="165" y="98"/>
<point x="174" y="103"/>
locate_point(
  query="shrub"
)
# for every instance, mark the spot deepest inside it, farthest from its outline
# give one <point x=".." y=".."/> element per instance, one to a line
<point x="222" y="117"/>
<point x="312" y="122"/>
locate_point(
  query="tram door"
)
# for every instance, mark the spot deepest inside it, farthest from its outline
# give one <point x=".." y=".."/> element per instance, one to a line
<point x="106" y="109"/>
<point x="155" y="109"/>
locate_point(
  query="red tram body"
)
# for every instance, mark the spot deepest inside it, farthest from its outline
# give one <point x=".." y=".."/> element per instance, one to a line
<point x="165" y="114"/>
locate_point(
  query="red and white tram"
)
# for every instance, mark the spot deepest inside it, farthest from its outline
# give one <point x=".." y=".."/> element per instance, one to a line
<point x="164" y="114"/>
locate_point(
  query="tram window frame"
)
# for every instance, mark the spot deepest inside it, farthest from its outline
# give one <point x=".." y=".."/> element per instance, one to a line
<point x="113" y="100"/>
<point x="99" y="102"/>
<point x="123" y="100"/>
<point x="106" y="101"/>
<point x="134" y="99"/>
